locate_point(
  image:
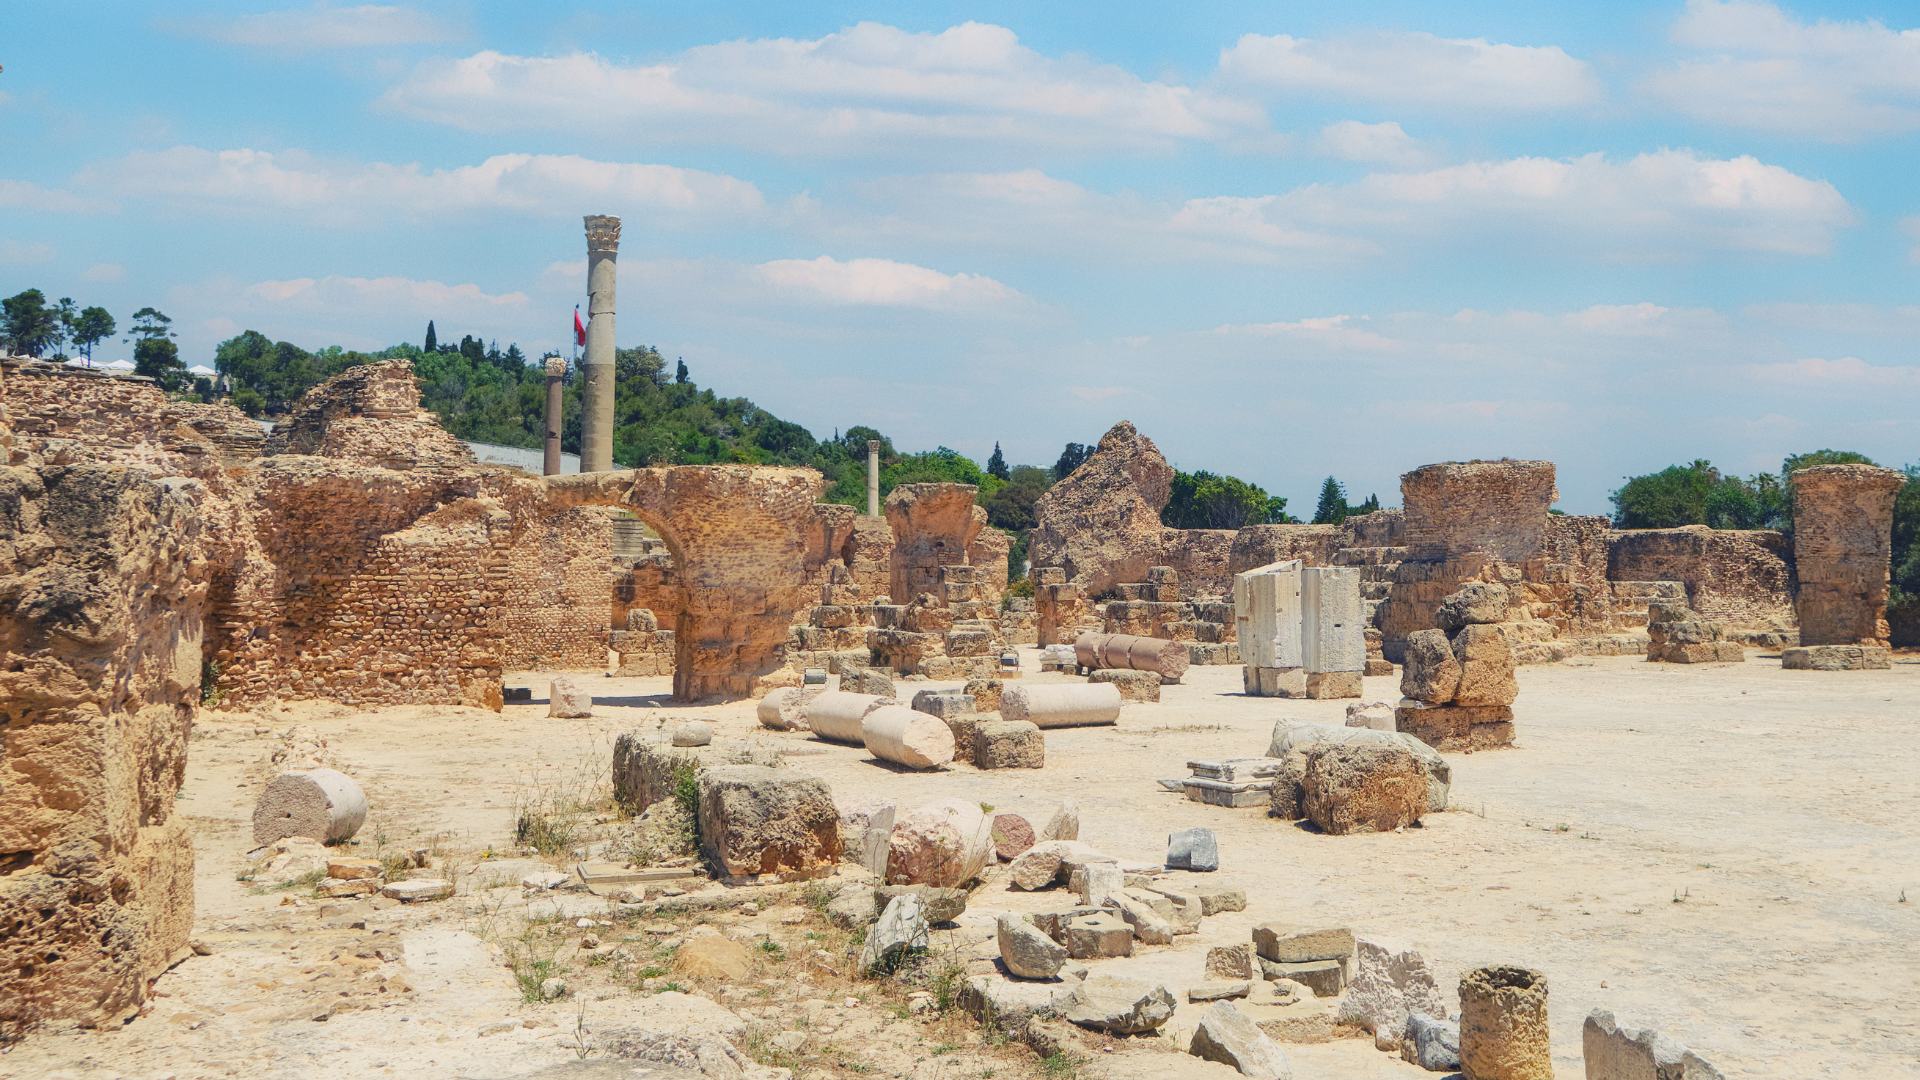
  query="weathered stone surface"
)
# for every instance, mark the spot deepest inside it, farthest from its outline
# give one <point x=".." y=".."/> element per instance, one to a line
<point x="1183" y="909"/>
<point x="900" y="931"/>
<point x="1455" y="728"/>
<point x="1429" y="673"/>
<point x="415" y="890"/>
<point x="1012" y="1007"/>
<point x="937" y="905"/>
<point x="713" y="956"/>
<point x="1118" y="1005"/>
<point x="1389" y="984"/>
<point x="1193" y="849"/>
<point x="866" y="681"/>
<point x="1063" y="823"/>
<point x="1009" y="744"/>
<point x="1325" y="978"/>
<point x="1012" y="836"/>
<point x="944" y="703"/>
<point x="568" y="700"/>
<point x="319" y="804"/>
<point x="985" y="693"/>
<point x="1215" y="899"/>
<point x="1842" y="543"/>
<point x="1149" y="928"/>
<point x="1477" y="603"/>
<point x="1431" y="1043"/>
<point x="1219" y="991"/>
<point x="907" y="737"/>
<point x="838" y="715"/>
<point x="1055" y="705"/>
<point x="1292" y="739"/>
<point x="944" y="843"/>
<point x="1612" y="1052"/>
<point x="1836" y="658"/>
<point x="1486" y="667"/>
<point x="1363" y="788"/>
<point x="1102" y="523"/>
<point x="1374" y="715"/>
<point x="1283" y="944"/>
<point x="854" y="906"/>
<point x="693" y="733"/>
<point x="1230" y="962"/>
<point x="1026" y="952"/>
<point x="1133" y="685"/>
<point x="1503" y="1025"/>
<point x="348" y="868"/>
<point x="1227" y="1036"/>
<point x="785" y="709"/>
<point x="1045" y="863"/>
<point x="1093" y="937"/>
<point x="755" y="820"/>
<point x="1097" y="882"/>
<point x="647" y="768"/>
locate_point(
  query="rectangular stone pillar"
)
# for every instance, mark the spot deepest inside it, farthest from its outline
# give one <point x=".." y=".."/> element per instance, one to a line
<point x="1266" y="614"/>
<point x="1842" y="544"/>
<point x="1333" y="633"/>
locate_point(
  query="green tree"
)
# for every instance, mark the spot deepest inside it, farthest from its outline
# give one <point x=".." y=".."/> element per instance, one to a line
<point x="91" y="326"/>
<point x="1371" y="504"/>
<point x="30" y="327"/>
<point x="680" y="374"/>
<point x="1332" y="508"/>
<point x="432" y="343"/>
<point x="1074" y="456"/>
<point x="1204" y="500"/>
<point x="68" y="313"/>
<point x="997" y="463"/>
<point x="155" y="354"/>
<point x="1674" y="496"/>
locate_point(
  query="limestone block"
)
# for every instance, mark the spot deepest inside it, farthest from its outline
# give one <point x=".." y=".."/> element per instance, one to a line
<point x="1062" y="705"/>
<point x="837" y="715"/>
<point x="1333" y="622"/>
<point x="1325" y="685"/>
<point x="566" y="700"/>
<point x="985" y="693"/>
<point x="319" y="804"/>
<point x="1351" y="788"/>
<point x="1486" y="667"/>
<point x="1389" y="984"/>
<point x="1377" y="715"/>
<point x="866" y="681"/>
<point x="936" y="904"/>
<point x="1044" y="864"/>
<point x="1325" y="978"/>
<point x="900" y="931"/>
<point x="943" y="703"/>
<point x="785" y="709"/>
<point x="907" y="737"/>
<point x="1429" y="672"/>
<point x="1292" y="739"/>
<point x="1612" y="1052"/>
<point x="1477" y="603"/>
<point x="755" y="820"/>
<point x="1836" y="658"/>
<point x="1099" y="936"/>
<point x="1119" y="1005"/>
<point x="1227" y="1036"/>
<point x="1456" y="728"/>
<point x="1266" y="609"/>
<point x="1503" y="1025"/>
<point x="1431" y="1043"/>
<point x="1098" y="882"/>
<point x="693" y="733"/>
<point x="417" y="890"/>
<point x="1219" y="991"/>
<point x="1063" y="823"/>
<point x="1287" y="945"/>
<point x="1026" y="952"/>
<point x="1193" y="849"/>
<point x="1009" y="744"/>
<point x="1275" y="682"/>
<point x="1134" y="685"/>
<point x="1149" y="926"/>
<point x="1230" y="962"/>
<point x="944" y="843"/>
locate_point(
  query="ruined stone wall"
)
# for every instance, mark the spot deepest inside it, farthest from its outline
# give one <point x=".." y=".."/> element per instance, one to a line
<point x="646" y="582"/>
<point x="933" y="526"/>
<point x="370" y="414"/>
<point x="1102" y="523"/>
<point x="1202" y="558"/>
<point x="364" y="585"/>
<point x="561" y="583"/>
<point x="1740" y="578"/>
<point x="1842" y="546"/>
<point x="743" y="537"/>
<point x="103" y="578"/>
<point x="1498" y="508"/>
<point x="1259" y="545"/>
<point x="53" y="402"/>
<point x="1564" y="582"/>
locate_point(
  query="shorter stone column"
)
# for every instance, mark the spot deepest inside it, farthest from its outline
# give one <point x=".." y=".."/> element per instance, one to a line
<point x="873" y="478"/>
<point x="1842" y="545"/>
<point x="556" y="374"/>
<point x="1503" y="1025"/>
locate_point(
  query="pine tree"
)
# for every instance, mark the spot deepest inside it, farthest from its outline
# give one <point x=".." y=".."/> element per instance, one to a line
<point x="433" y="340"/>
<point x="1332" y="508"/>
<point x="680" y="373"/>
<point x="997" y="464"/>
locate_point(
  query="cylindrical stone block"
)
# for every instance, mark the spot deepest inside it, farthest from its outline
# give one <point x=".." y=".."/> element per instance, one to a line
<point x="556" y="369"/>
<point x="319" y="804"/>
<point x="836" y="715"/>
<point x="873" y="478"/>
<point x="907" y="737"/>
<point x="597" y="393"/>
<point x="785" y="709"/>
<point x="1165" y="658"/>
<point x="1056" y="705"/>
<point x="1503" y="1025"/>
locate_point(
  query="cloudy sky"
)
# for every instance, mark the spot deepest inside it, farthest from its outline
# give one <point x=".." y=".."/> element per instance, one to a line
<point x="1286" y="240"/>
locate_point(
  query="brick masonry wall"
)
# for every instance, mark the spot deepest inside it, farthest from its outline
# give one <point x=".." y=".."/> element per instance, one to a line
<point x="51" y="402"/>
<point x="559" y="599"/>
<point x="1740" y="578"/>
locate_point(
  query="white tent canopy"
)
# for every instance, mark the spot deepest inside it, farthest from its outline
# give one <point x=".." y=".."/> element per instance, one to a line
<point x="202" y="371"/>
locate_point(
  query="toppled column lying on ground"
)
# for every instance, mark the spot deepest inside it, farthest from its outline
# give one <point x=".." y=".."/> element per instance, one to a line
<point x="1167" y="659"/>
<point x="906" y="737"/>
<point x="1057" y="705"/>
<point x="1842" y="544"/>
<point x="837" y="715"/>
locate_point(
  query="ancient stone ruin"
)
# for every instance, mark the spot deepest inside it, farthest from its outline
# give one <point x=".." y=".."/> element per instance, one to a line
<point x="1842" y="540"/>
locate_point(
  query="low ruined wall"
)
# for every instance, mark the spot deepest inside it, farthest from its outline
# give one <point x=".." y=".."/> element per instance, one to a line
<point x="933" y="526"/>
<point x="53" y="402"/>
<point x="1259" y="545"/>
<point x="1564" y="582"/>
<point x="366" y="586"/>
<point x="1203" y="558"/>
<point x="557" y="607"/>
<point x="1737" y="577"/>
<point x="1498" y="508"/>
<point x="369" y="414"/>
<point x="103" y="579"/>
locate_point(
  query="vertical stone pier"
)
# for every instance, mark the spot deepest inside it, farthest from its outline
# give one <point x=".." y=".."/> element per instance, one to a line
<point x="1842" y="545"/>
<point x="596" y="399"/>
<point x="873" y="477"/>
<point x="556" y="372"/>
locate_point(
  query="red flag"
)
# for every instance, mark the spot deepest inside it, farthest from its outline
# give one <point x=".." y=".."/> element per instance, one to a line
<point x="579" y="328"/>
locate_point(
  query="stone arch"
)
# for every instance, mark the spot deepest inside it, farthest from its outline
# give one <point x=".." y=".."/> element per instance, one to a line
<point x="741" y="537"/>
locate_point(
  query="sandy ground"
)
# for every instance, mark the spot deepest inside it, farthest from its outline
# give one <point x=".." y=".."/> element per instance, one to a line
<point x="1724" y="853"/>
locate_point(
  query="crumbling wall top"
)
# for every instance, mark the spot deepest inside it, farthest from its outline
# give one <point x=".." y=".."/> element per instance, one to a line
<point x="370" y="414"/>
<point x="1497" y="508"/>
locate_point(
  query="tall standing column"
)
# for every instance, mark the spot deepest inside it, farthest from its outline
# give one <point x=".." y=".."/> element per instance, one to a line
<point x="596" y="399"/>
<point x="556" y="373"/>
<point x="873" y="477"/>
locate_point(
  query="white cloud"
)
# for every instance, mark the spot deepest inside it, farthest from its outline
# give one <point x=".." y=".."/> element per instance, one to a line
<point x="25" y="195"/>
<point x="882" y="283"/>
<point x="339" y="293"/>
<point x="540" y="184"/>
<point x="1416" y="70"/>
<point x="1382" y="144"/>
<point x="1338" y="331"/>
<point x="24" y="252"/>
<point x="1844" y="373"/>
<point x="350" y="311"/>
<point x="870" y="87"/>
<point x="323" y="26"/>
<point x="1757" y="67"/>
<point x="1667" y="204"/>
<point x="104" y="272"/>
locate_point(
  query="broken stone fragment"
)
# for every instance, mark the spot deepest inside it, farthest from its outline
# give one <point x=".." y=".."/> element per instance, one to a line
<point x="1026" y="952"/>
<point x="1429" y="671"/>
<point x="1193" y="849"/>
<point x="415" y="890"/>
<point x="901" y="930"/>
<point x="1358" y="787"/>
<point x="1389" y="985"/>
<point x="1119" y="1005"/>
<point x="319" y="804"/>
<point x="566" y="700"/>
<point x="1227" y="1036"/>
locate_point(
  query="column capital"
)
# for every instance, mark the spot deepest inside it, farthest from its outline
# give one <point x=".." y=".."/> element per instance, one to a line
<point x="556" y="367"/>
<point x="603" y="234"/>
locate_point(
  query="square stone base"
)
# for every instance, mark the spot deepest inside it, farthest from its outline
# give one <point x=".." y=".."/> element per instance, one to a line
<point x="1274" y="682"/>
<point x="1008" y="744"/>
<point x="1378" y="665"/>
<point x="1836" y="658"/>
<point x="1333" y="684"/>
<point x="1236" y="795"/>
<point x="1456" y="727"/>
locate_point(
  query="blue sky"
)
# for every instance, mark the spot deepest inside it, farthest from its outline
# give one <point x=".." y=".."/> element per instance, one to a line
<point x="1285" y="240"/>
